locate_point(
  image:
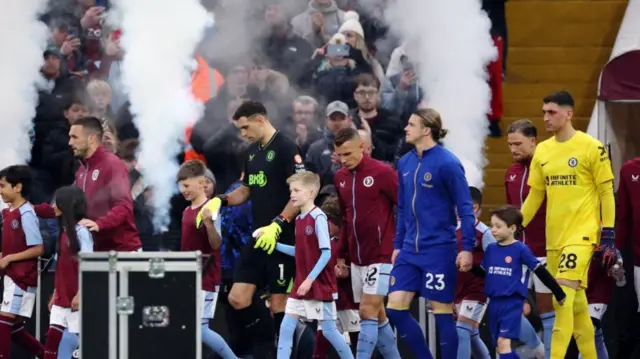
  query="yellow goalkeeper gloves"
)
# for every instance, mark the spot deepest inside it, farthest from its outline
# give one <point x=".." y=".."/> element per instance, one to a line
<point x="213" y="205"/>
<point x="267" y="236"/>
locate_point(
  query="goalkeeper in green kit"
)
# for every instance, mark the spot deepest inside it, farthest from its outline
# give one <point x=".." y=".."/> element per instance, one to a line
<point x="271" y="159"/>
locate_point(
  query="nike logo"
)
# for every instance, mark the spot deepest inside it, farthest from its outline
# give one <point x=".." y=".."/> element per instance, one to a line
<point x="563" y="270"/>
<point x="543" y="164"/>
<point x="405" y="174"/>
<point x="503" y="331"/>
<point x="597" y="309"/>
<point x="469" y="307"/>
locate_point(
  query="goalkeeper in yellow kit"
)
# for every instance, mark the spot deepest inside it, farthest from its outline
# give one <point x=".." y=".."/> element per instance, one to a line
<point x="574" y="171"/>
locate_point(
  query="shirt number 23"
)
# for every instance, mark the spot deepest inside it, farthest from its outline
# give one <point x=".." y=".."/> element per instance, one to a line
<point x="435" y="281"/>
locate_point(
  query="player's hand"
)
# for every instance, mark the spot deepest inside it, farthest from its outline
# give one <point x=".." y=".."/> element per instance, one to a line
<point x="607" y="249"/>
<point x="212" y="207"/>
<point x="464" y="261"/>
<point x="75" y="303"/>
<point x="304" y="288"/>
<point x="5" y="261"/>
<point x="91" y="225"/>
<point x="207" y="217"/>
<point x="394" y="256"/>
<point x="50" y="305"/>
<point x="342" y="271"/>
<point x="267" y="237"/>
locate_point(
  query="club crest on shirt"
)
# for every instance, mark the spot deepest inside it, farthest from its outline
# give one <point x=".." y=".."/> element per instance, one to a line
<point x="508" y="259"/>
<point x="427" y="177"/>
<point x="271" y="155"/>
<point x="95" y="174"/>
<point x="368" y="181"/>
<point x="15" y="224"/>
<point x="308" y="230"/>
<point x="573" y="162"/>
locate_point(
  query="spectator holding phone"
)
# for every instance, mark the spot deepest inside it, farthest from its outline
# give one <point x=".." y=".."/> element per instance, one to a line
<point x="65" y="40"/>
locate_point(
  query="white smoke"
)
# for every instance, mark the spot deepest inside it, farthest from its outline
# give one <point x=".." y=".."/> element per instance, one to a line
<point x="22" y="42"/>
<point x="450" y="44"/>
<point x="158" y="39"/>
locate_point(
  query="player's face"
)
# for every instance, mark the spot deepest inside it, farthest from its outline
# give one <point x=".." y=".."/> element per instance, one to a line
<point x="191" y="188"/>
<point x="350" y="153"/>
<point x="300" y="194"/>
<point x="556" y="117"/>
<point x="8" y="192"/>
<point x="414" y="131"/>
<point x="251" y="130"/>
<point x="521" y="146"/>
<point x="209" y="187"/>
<point x="79" y="141"/>
<point x="500" y="230"/>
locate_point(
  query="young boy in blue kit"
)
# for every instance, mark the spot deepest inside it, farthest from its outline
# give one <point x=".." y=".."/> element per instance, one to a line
<point x="506" y="279"/>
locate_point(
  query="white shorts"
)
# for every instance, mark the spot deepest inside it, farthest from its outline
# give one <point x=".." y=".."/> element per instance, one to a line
<point x="597" y="310"/>
<point x="17" y="301"/>
<point x="209" y="303"/>
<point x="636" y="283"/>
<point x="348" y="321"/>
<point x="372" y="279"/>
<point x="65" y="318"/>
<point x="471" y="309"/>
<point x="535" y="283"/>
<point x="311" y="309"/>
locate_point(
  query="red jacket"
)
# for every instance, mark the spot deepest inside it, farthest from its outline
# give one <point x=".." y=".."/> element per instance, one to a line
<point x="628" y="208"/>
<point x="105" y="181"/>
<point x="367" y="196"/>
<point x="515" y="182"/>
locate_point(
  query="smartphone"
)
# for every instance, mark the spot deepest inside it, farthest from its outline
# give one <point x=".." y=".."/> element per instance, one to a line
<point x="334" y="50"/>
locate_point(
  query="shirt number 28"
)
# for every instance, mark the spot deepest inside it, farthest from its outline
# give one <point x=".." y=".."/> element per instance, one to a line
<point x="435" y="281"/>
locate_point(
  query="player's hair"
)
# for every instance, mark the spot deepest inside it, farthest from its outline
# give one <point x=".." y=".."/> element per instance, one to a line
<point x="249" y="109"/>
<point x="71" y="201"/>
<point x="431" y="119"/>
<point x="191" y="169"/>
<point x="560" y="98"/>
<point x="92" y="125"/>
<point x="307" y="179"/>
<point x="476" y="195"/>
<point x="366" y="80"/>
<point x="128" y="149"/>
<point x="18" y="174"/>
<point x="331" y="208"/>
<point x="525" y="127"/>
<point x="509" y="215"/>
<point x="346" y="134"/>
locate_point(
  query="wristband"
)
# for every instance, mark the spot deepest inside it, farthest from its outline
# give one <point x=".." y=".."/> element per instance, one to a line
<point x="280" y="220"/>
<point x="224" y="200"/>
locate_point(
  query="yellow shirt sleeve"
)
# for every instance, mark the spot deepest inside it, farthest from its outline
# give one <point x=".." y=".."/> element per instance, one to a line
<point x="536" y="178"/>
<point x="603" y="179"/>
<point x="531" y="205"/>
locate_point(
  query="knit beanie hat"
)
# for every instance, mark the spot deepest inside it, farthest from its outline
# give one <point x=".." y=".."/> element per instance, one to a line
<point x="352" y="23"/>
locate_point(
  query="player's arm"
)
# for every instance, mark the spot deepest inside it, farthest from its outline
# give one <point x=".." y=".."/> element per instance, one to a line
<point x="527" y="257"/>
<point x="400" y="225"/>
<point x="537" y="191"/>
<point x="213" y="233"/>
<point x="33" y="237"/>
<point x="458" y="188"/>
<point x="623" y="211"/>
<point x="390" y="185"/>
<point x="324" y="243"/>
<point x="236" y="197"/>
<point x="44" y="210"/>
<point x="286" y="249"/>
<point x="603" y="178"/>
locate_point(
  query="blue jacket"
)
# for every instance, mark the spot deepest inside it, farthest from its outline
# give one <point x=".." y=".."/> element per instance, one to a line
<point x="431" y="188"/>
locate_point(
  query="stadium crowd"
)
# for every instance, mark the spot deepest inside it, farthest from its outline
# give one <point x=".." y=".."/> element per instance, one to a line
<point x="325" y="110"/>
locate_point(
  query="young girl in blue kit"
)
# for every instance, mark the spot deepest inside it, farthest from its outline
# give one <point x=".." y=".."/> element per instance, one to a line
<point x="506" y="278"/>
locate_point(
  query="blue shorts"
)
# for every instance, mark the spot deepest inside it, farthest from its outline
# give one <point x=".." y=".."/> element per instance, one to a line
<point x="505" y="315"/>
<point x="433" y="273"/>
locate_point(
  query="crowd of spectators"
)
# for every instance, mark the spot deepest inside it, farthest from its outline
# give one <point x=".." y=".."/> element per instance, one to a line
<point x="273" y="51"/>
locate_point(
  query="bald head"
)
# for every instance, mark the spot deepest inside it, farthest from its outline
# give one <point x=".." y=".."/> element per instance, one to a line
<point x="366" y="141"/>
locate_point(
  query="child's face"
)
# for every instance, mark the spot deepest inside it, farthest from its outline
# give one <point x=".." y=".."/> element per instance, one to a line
<point x="8" y="192"/>
<point x="56" y="210"/>
<point x="300" y="194"/>
<point x="75" y="112"/>
<point x="476" y="209"/>
<point x="191" y="188"/>
<point x="101" y="99"/>
<point x="334" y="230"/>
<point x="500" y="230"/>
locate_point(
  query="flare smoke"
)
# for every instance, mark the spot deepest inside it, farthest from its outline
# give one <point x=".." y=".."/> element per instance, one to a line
<point x="450" y="43"/>
<point x="23" y="42"/>
<point x="159" y="38"/>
